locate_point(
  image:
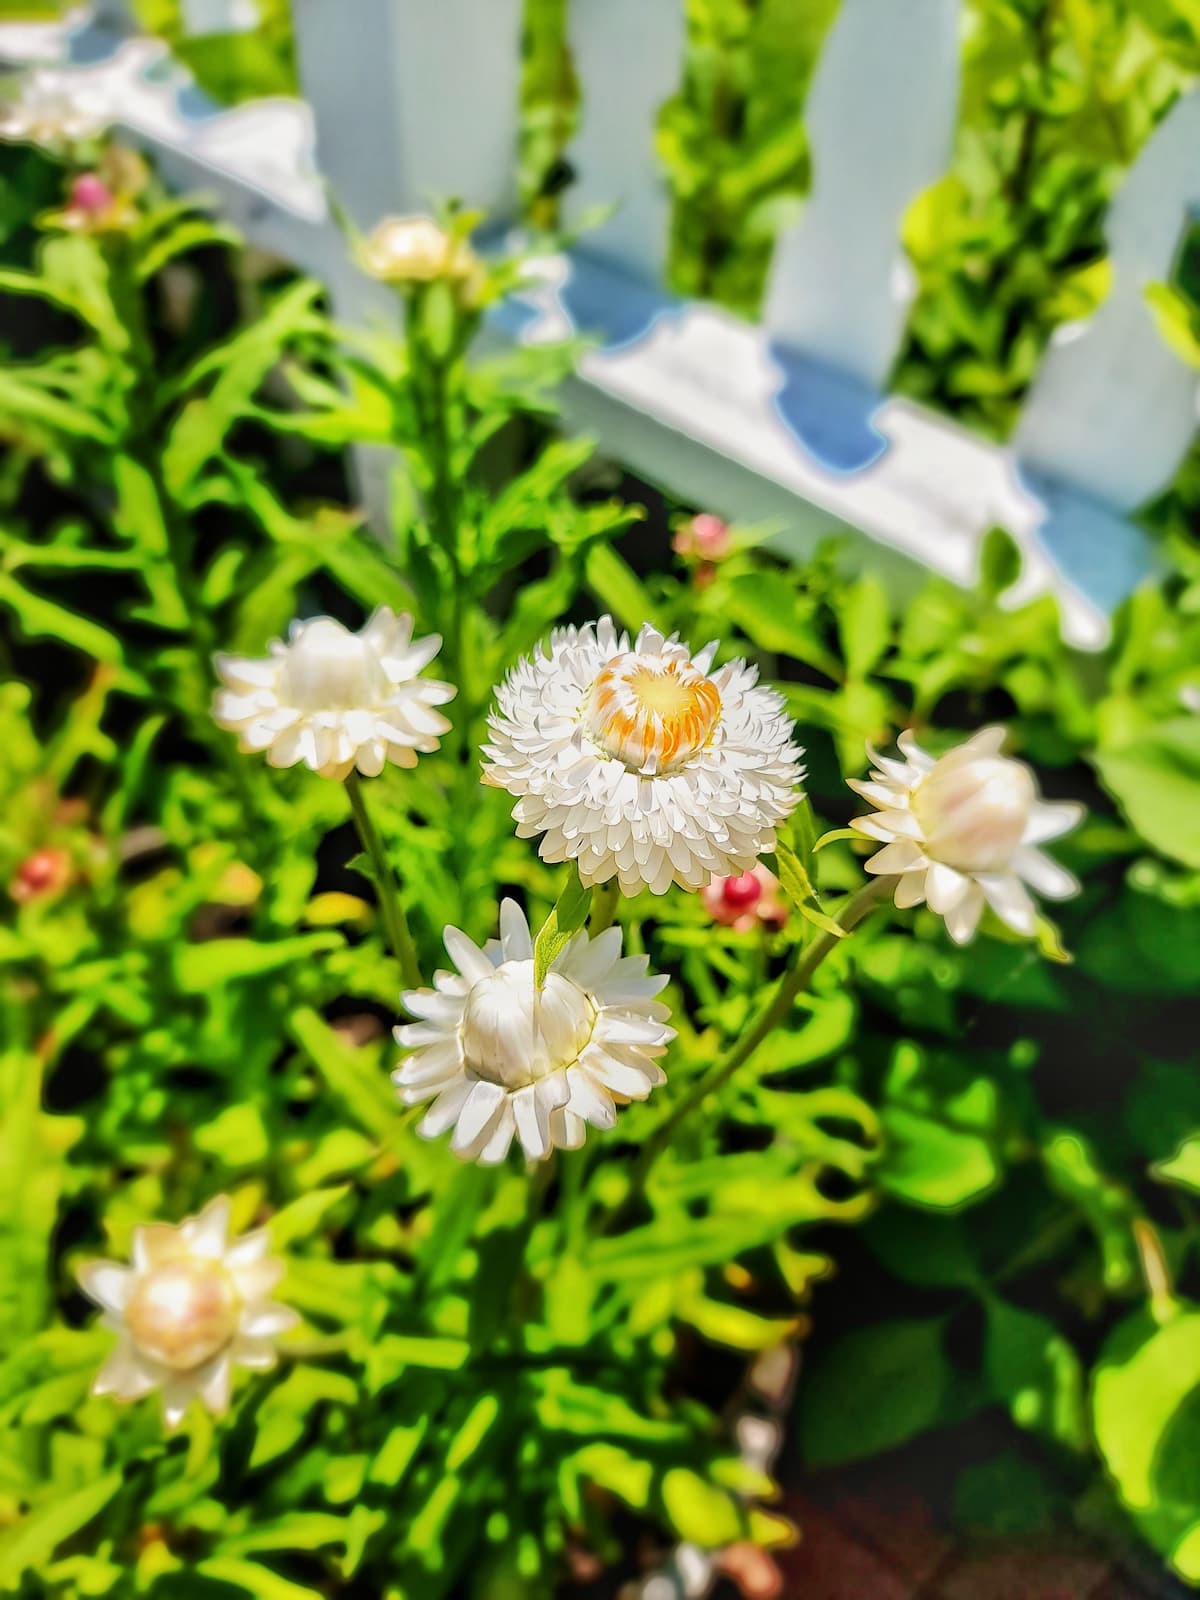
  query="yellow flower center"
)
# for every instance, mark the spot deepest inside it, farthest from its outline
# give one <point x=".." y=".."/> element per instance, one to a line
<point x="183" y="1312"/>
<point x="652" y="714"/>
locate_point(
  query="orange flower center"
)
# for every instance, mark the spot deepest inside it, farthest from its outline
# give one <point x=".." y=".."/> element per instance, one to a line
<point x="652" y="714"/>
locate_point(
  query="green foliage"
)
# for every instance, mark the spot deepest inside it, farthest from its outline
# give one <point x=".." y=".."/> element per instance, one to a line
<point x="495" y="1367"/>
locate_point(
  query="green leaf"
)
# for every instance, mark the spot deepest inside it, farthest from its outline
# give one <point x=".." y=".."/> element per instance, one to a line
<point x="699" y="1511"/>
<point x="618" y="588"/>
<point x="40" y="618"/>
<point x="565" y="920"/>
<point x="1156" y="781"/>
<point x="1184" y="1166"/>
<point x="1073" y="1170"/>
<point x="776" y="619"/>
<point x="1036" y="1373"/>
<point x="939" y="1123"/>
<point x="864" y="625"/>
<point x="365" y="1091"/>
<point x="303" y="1216"/>
<point x="1175" y="323"/>
<point x="877" y="1388"/>
<point x="255" y="1579"/>
<point x="200" y="968"/>
<point x="1146" y="1416"/>
<point x="999" y="563"/>
<point x="798" y="887"/>
<point x="32" y="1541"/>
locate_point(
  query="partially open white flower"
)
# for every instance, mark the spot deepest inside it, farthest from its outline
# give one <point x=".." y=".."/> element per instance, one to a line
<point x="640" y="764"/>
<point x="53" y="109"/>
<point x="503" y="1058"/>
<point x="415" y="250"/>
<point x="963" y="831"/>
<point x="337" y="700"/>
<point x="193" y="1306"/>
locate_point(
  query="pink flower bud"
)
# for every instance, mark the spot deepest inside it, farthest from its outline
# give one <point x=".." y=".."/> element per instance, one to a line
<point x="91" y="194"/>
<point x="741" y="902"/>
<point x="704" y="538"/>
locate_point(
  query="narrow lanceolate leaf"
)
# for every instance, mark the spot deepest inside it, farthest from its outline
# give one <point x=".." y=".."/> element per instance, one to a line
<point x="569" y="915"/>
<point x="798" y="887"/>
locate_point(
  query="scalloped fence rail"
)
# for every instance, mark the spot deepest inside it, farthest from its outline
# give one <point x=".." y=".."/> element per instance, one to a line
<point x="786" y="420"/>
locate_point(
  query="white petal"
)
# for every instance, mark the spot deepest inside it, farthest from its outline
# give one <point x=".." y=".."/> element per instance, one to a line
<point x="258" y="1355"/>
<point x="249" y="1249"/>
<point x="944" y="887"/>
<point x="207" y="1233"/>
<point x="444" y="1111"/>
<point x="1010" y="900"/>
<point x="533" y="1123"/>
<point x="213" y="1383"/>
<point x="478" y="1116"/>
<point x="126" y="1375"/>
<point x="1051" y="818"/>
<point x="910" y="889"/>
<point x="107" y="1283"/>
<point x="266" y="1321"/>
<point x="962" y="922"/>
<point x="176" y="1397"/>
<point x="497" y="1146"/>
<point x="515" y="939"/>
<point x="466" y="955"/>
<point x="902" y="856"/>
<point x="1044" y="874"/>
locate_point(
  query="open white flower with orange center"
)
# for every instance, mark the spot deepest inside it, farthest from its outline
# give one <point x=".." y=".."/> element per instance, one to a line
<point x="193" y="1305"/>
<point x="640" y="763"/>
<point x="337" y="700"/>
<point x="504" y="1058"/>
<point x="963" y="831"/>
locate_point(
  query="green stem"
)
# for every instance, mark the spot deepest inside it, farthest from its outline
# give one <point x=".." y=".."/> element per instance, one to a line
<point x="794" y="981"/>
<point x="392" y="912"/>
<point x="605" y="899"/>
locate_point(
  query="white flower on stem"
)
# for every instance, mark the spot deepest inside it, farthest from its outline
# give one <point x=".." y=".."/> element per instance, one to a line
<point x="639" y="763"/>
<point x="963" y="831"/>
<point x="193" y="1305"/>
<point x="415" y="250"/>
<point x="52" y="109"/>
<point x="503" y="1058"/>
<point x="336" y="700"/>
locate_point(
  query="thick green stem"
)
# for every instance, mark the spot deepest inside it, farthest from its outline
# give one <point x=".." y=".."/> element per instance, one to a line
<point x="794" y="981"/>
<point x="392" y="912"/>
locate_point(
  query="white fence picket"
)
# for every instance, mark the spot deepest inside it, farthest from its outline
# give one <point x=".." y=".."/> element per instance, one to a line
<point x="880" y="119"/>
<point x="1113" y="409"/>
<point x="629" y="58"/>
<point x="415" y="101"/>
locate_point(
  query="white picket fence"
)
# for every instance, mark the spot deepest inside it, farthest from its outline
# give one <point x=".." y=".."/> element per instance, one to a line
<point x="787" y="420"/>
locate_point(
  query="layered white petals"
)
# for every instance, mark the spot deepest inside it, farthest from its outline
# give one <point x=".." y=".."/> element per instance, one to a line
<point x="639" y="763"/>
<point x="191" y="1307"/>
<point x="502" y="1061"/>
<point x="336" y="700"/>
<point x="960" y="833"/>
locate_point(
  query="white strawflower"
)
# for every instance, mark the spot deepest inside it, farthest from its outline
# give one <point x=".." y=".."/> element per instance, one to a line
<point x="193" y="1306"/>
<point x="504" y="1058"/>
<point x="51" y="109"/>
<point x="415" y="250"/>
<point x="336" y="700"/>
<point x="638" y="763"/>
<point x="963" y="831"/>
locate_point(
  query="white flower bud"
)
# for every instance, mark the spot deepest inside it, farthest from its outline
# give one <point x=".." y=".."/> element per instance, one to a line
<point x="513" y="1035"/>
<point x="974" y="811"/>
